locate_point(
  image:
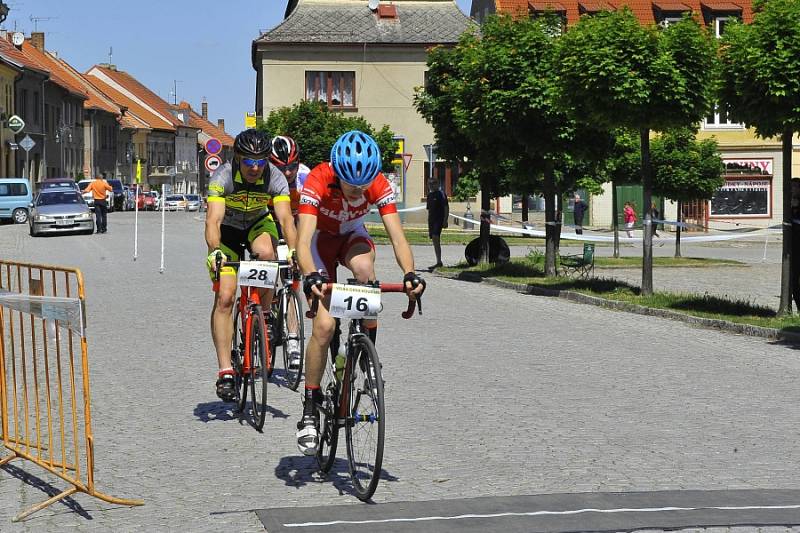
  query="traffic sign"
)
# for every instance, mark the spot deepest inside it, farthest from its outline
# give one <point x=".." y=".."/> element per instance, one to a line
<point x="250" y="120"/>
<point x="27" y="143"/>
<point x="213" y="146"/>
<point x="16" y="124"/>
<point x="212" y="162"/>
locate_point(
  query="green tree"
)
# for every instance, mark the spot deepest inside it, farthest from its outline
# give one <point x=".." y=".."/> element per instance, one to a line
<point x="685" y="169"/>
<point x="316" y="128"/>
<point x="761" y="87"/>
<point x="620" y="74"/>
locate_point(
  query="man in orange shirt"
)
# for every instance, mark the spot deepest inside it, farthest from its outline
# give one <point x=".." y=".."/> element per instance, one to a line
<point x="98" y="188"/>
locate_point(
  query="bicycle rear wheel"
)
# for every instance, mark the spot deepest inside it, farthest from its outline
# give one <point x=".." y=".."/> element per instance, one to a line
<point x="259" y="356"/>
<point x="366" y="418"/>
<point x="237" y="357"/>
<point x="289" y="318"/>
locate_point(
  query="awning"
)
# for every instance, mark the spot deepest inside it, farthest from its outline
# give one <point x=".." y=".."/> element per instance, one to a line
<point x="594" y="6"/>
<point x="671" y="6"/>
<point x="720" y="5"/>
<point x="546" y="5"/>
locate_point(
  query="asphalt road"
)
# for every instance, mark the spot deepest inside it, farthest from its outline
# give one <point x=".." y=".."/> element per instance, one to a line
<point x="490" y="394"/>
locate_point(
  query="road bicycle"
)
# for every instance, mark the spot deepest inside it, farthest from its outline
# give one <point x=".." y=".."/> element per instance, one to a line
<point x="251" y="357"/>
<point x="287" y="321"/>
<point x="353" y="388"/>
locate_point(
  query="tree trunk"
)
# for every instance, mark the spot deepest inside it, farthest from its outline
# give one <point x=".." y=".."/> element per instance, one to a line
<point x="549" y="191"/>
<point x="678" y="230"/>
<point x="785" y="306"/>
<point x="524" y="206"/>
<point x="615" y="218"/>
<point x="647" y="238"/>
<point x="486" y="203"/>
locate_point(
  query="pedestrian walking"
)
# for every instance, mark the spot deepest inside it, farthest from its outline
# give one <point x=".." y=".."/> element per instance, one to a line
<point x="578" y="211"/>
<point x="438" y="213"/>
<point x="98" y="187"/>
<point x="655" y="215"/>
<point x="629" y="213"/>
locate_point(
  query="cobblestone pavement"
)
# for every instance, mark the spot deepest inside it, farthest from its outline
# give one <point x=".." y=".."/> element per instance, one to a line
<point x="489" y="393"/>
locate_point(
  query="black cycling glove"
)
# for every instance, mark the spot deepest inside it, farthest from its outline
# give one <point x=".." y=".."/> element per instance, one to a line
<point x="315" y="278"/>
<point x="415" y="280"/>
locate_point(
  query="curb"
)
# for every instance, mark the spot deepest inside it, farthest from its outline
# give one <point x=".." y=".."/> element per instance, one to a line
<point x="708" y="323"/>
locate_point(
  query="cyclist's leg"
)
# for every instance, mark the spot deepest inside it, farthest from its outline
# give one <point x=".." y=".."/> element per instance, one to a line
<point x="260" y="238"/>
<point x="221" y="323"/>
<point x="359" y="258"/>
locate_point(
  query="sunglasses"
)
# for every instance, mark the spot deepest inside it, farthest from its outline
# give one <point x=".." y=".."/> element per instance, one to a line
<point x="290" y="167"/>
<point x="254" y="162"/>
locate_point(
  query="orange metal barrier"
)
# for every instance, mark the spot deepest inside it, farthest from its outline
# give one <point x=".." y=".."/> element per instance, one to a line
<point x="44" y="416"/>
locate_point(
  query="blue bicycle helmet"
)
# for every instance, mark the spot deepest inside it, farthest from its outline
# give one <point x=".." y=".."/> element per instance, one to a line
<point x="356" y="158"/>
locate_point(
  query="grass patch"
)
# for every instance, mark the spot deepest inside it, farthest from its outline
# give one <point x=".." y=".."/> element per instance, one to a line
<point x="636" y="262"/>
<point x="530" y="270"/>
<point x="449" y="236"/>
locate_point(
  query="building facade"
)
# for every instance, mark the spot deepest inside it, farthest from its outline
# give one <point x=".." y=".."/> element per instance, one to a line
<point x="359" y="61"/>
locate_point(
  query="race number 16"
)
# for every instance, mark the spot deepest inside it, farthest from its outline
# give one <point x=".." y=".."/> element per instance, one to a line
<point x="355" y="301"/>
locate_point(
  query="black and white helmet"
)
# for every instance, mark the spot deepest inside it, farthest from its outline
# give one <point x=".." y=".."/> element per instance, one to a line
<point x="253" y="144"/>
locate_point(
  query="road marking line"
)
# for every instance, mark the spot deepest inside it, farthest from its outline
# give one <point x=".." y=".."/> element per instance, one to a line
<point x="544" y="513"/>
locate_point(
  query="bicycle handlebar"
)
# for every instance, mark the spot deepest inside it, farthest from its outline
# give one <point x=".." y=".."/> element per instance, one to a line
<point x="282" y="263"/>
<point x="385" y="287"/>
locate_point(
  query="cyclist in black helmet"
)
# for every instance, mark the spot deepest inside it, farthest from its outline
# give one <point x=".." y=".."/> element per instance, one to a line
<point x="238" y="218"/>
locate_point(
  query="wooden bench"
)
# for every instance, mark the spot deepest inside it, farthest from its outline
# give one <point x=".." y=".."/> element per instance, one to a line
<point x="579" y="265"/>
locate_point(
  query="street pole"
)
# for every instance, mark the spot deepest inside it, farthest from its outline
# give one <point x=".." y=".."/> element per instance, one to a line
<point x="163" y="209"/>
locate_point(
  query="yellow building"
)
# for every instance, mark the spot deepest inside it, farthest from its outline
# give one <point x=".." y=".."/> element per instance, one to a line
<point x="9" y="72"/>
<point x="360" y="61"/>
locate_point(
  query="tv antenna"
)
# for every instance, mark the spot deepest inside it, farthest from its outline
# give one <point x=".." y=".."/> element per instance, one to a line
<point x="36" y="21"/>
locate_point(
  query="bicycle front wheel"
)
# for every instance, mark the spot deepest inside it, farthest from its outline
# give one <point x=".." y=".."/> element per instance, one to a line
<point x="259" y="372"/>
<point x="292" y="329"/>
<point x="237" y="357"/>
<point x="366" y="419"/>
<point x="329" y="428"/>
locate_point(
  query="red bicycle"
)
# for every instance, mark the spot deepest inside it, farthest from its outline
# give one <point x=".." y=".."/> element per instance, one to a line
<point x="353" y="388"/>
<point x="251" y="357"/>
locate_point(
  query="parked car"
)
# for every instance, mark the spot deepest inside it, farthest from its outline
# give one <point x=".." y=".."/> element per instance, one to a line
<point x="15" y="198"/>
<point x="151" y="202"/>
<point x="87" y="196"/>
<point x="58" y="211"/>
<point x="55" y="183"/>
<point x="175" y="202"/>
<point x="118" y="203"/>
<point x="192" y="202"/>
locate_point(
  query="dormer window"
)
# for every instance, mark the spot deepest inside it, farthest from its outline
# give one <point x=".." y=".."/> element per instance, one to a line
<point x="554" y="12"/>
<point x="717" y="14"/>
<point x="669" y="12"/>
<point x="591" y="7"/>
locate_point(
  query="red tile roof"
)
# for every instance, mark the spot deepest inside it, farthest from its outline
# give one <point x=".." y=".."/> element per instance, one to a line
<point x="58" y="74"/>
<point x="643" y="9"/>
<point x="96" y="99"/>
<point x="16" y="55"/>
<point x="143" y="93"/>
<point x="125" y="96"/>
<point x="209" y="128"/>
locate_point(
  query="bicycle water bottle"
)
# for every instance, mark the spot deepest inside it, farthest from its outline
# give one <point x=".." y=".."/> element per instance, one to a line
<point x="339" y="362"/>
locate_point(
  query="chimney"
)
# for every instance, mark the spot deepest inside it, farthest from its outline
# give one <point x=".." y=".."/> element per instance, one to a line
<point x="204" y="108"/>
<point x="221" y="123"/>
<point x="37" y="39"/>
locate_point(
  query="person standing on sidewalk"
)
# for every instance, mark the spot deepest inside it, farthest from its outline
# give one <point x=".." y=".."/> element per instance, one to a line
<point x="629" y="213"/>
<point x="438" y="213"/>
<point x="578" y="211"/>
<point x="98" y="187"/>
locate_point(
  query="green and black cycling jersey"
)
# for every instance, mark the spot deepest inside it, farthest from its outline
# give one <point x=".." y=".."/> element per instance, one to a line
<point x="246" y="203"/>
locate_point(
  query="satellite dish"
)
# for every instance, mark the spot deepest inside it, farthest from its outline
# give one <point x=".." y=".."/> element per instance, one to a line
<point x="373" y="4"/>
<point x="17" y="38"/>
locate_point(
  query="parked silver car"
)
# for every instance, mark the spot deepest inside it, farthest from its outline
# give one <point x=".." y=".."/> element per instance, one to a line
<point x="175" y="202"/>
<point x="59" y="211"/>
<point x="192" y="202"/>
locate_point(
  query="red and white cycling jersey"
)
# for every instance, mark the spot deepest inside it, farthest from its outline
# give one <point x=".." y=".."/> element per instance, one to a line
<point x="322" y="197"/>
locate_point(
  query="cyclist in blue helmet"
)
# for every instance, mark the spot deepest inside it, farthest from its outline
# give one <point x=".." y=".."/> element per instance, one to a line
<point x="335" y="199"/>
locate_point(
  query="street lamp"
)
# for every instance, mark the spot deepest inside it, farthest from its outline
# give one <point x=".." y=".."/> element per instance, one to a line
<point x="61" y="131"/>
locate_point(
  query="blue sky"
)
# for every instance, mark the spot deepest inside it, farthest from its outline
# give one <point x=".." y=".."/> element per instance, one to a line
<point x="203" y="44"/>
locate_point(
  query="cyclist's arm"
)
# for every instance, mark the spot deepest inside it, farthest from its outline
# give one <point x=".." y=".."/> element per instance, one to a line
<point x="283" y="211"/>
<point x="402" y="251"/>
<point x="307" y="225"/>
<point x="214" y="216"/>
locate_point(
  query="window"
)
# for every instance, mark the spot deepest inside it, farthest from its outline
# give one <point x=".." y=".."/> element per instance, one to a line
<point x="47" y="120"/>
<point x="446" y="173"/>
<point x="336" y="89"/>
<point x="719" y="25"/>
<point x="13" y="189"/>
<point x="22" y="105"/>
<point x="719" y="118"/>
<point x="36" y="105"/>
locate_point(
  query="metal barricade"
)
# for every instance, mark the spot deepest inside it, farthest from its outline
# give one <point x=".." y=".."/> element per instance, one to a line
<point x="45" y="406"/>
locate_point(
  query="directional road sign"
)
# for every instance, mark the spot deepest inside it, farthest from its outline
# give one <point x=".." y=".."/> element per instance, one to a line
<point x="16" y="124"/>
<point x="27" y="143"/>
